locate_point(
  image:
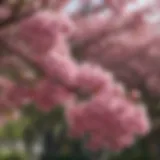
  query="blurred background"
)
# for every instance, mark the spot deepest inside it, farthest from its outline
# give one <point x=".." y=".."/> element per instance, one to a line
<point x="28" y="134"/>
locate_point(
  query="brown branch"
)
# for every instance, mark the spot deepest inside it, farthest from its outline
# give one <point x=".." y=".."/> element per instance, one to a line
<point x="16" y="15"/>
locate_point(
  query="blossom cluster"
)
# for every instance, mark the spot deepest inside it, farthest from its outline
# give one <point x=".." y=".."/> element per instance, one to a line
<point x="128" y="47"/>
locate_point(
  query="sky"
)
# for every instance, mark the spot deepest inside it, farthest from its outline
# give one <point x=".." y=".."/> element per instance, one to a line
<point x="74" y="3"/>
<point x="72" y="6"/>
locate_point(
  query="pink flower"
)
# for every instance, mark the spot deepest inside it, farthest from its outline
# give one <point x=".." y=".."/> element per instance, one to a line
<point x="39" y="32"/>
<point x="112" y="114"/>
<point x="91" y="78"/>
<point x="48" y="94"/>
<point x="62" y="68"/>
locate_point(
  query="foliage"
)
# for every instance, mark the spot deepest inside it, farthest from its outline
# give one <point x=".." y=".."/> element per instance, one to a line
<point x="89" y="76"/>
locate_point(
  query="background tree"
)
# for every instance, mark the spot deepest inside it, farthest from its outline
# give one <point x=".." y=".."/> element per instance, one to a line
<point x="89" y="75"/>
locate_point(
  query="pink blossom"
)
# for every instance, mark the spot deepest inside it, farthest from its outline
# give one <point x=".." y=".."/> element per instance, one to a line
<point x="48" y="94"/>
<point x="63" y="68"/>
<point x="39" y="32"/>
<point x="5" y="13"/>
<point x="90" y="62"/>
<point x="95" y="114"/>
